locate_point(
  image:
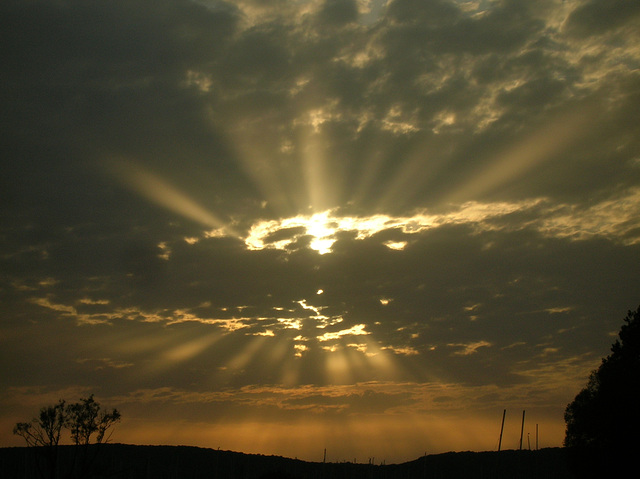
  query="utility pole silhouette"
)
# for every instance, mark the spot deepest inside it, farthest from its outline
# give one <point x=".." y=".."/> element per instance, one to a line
<point x="504" y="413"/>
<point x="522" y="430"/>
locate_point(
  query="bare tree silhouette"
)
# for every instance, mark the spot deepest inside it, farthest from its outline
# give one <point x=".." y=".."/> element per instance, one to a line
<point x="88" y="425"/>
<point x="44" y="432"/>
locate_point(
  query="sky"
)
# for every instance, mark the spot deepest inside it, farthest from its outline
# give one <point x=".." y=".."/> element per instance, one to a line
<point x="286" y="226"/>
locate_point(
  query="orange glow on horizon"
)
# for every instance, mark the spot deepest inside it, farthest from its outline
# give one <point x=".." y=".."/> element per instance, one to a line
<point x="389" y="438"/>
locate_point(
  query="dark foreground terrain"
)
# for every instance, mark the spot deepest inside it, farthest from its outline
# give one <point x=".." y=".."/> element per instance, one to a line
<point x="120" y="461"/>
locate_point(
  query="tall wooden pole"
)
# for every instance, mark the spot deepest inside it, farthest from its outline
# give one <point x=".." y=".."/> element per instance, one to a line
<point x="536" y="437"/>
<point x="504" y="413"/>
<point x="522" y="430"/>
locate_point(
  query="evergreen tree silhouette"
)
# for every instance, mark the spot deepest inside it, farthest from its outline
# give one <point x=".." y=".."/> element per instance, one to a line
<point x="603" y="421"/>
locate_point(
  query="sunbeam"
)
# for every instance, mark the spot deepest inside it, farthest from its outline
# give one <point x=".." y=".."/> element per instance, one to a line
<point x="321" y="181"/>
<point x="512" y="164"/>
<point x="157" y="190"/>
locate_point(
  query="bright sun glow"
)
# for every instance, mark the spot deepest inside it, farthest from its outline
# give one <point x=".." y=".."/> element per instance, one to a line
<point x="322" y="228"/>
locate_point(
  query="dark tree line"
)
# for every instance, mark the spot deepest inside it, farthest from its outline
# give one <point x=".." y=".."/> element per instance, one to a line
<point x="603" y="421"/>
<point x="88" y="426"/>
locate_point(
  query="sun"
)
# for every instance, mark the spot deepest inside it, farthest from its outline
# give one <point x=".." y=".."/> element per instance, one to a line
<point x="323" y="231"/>
<point x="320" y="227"/>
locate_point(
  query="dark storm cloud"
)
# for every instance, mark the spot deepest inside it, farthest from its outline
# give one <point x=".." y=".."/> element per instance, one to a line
<point x="449" y="287"/>
<point x="87" y="81"/>
<point x="122" y="72"/>
<point x="338" y="12"/>
<point x="595" y="17"/>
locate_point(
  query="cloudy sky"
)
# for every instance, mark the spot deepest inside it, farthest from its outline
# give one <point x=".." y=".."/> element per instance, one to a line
<point x="281" y="226"/>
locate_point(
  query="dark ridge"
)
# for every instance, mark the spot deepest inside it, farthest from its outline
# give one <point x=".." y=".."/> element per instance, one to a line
<point x="121" y="461"/>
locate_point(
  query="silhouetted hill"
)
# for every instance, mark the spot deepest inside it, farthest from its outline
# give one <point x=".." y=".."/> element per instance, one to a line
<point x="119" y="461"/>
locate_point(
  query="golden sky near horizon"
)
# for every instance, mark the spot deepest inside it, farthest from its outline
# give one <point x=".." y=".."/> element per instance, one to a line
<point x="277" y="227"/>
